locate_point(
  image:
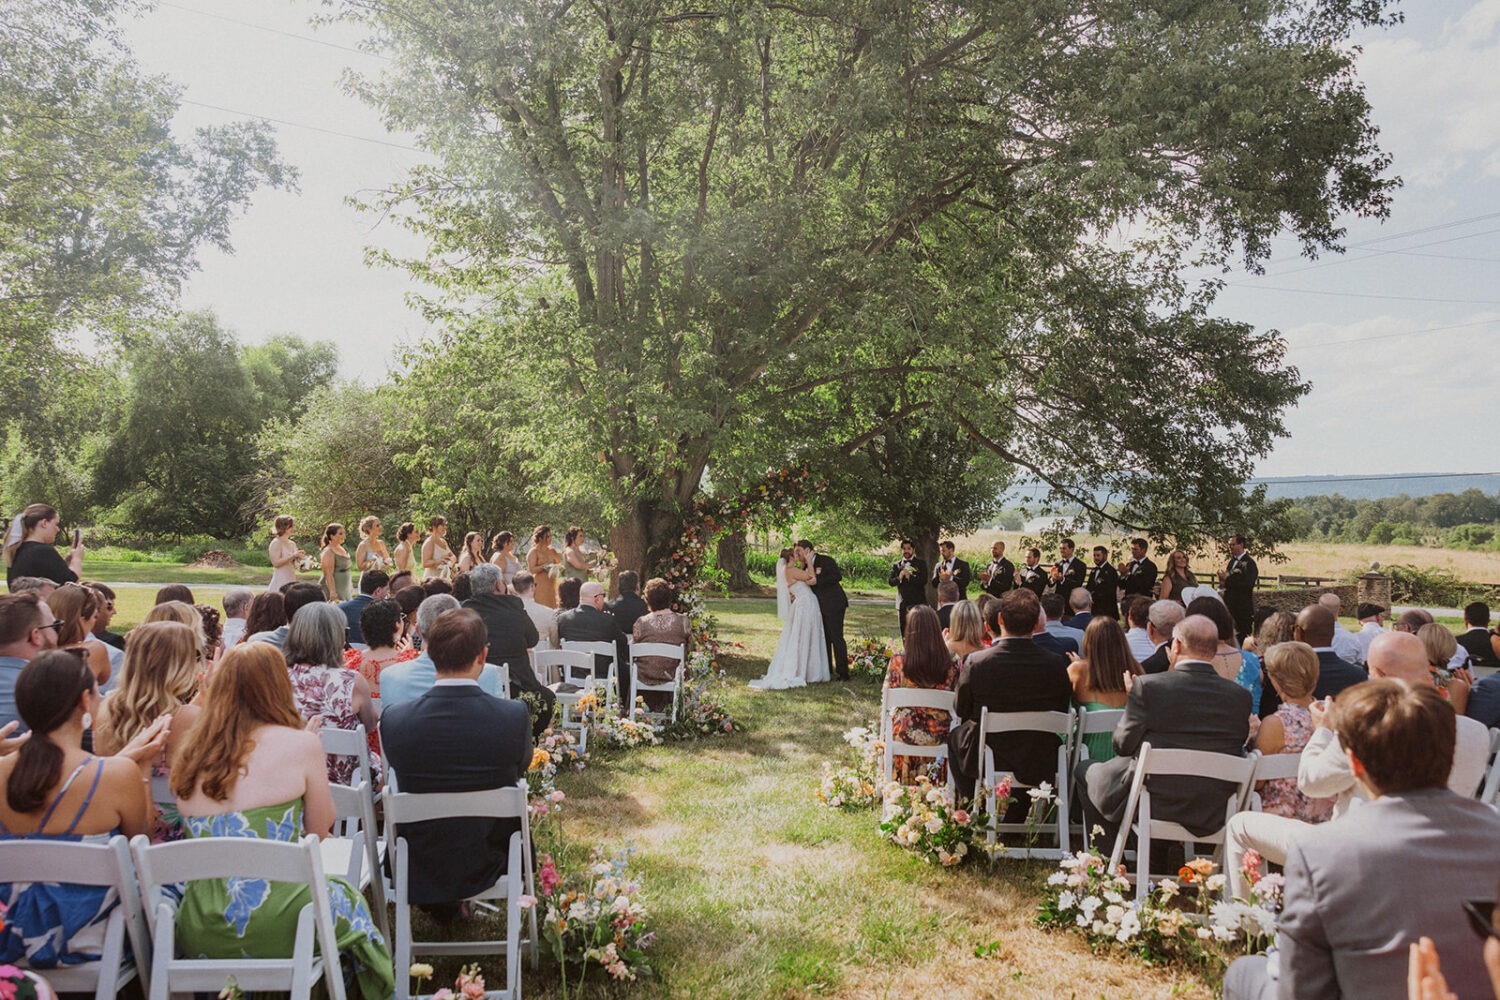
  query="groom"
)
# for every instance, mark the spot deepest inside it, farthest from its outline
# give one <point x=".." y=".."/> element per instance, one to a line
<point x="832" y="603"/>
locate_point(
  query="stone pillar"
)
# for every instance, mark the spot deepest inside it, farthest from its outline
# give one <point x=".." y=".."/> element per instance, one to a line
<point x="1374" y="587"/>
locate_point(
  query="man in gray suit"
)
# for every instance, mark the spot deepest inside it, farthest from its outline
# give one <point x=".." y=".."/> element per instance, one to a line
<point x="1190" y="707"/>
<point x="1363" y="888"/>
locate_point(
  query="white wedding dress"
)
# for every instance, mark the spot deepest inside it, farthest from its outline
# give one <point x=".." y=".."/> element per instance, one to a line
<point x="801" y="652"/>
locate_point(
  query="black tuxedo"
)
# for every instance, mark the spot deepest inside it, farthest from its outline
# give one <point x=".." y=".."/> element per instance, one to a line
<point x="945" y="615"/>
<point x="913" y="589"/>
<point x="1239" y="593"/>
<point x="1157" y="663"/>
<point x="627" y="609"/>
<point x="1002" y="577"/>
<point x="1013" y="675"/>
<point x="1139" y="578"/>
<point x="832" y="603"/>
<point x="1032" y="578"/>
<point x="511" y="634"/>
<point x="1188" y="708"/>
<point x="456" y="739"/>
<point x="1072" y="572"/>
<point x="962" y="574"/>
<point x="1102" y="582"/>
<point x="1477" y="642"/>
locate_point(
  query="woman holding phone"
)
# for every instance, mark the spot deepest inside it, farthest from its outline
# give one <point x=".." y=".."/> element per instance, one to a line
<point x="30" y="547"/>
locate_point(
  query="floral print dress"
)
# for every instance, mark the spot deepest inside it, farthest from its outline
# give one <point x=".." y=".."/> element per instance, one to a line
<point x="1280" y="796"/>
<point x="329" y="692"/>
<point x="923" y="727"/>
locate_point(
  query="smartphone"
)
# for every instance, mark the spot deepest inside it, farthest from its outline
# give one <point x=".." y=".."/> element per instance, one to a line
<point x="77" y="537"/>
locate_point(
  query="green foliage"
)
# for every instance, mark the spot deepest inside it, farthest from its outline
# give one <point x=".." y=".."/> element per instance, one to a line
<point x="1467" y="520"/>
<point x="286" y="370"/>
<point x="1431" y="587"/>
<point x="860" y="569"/>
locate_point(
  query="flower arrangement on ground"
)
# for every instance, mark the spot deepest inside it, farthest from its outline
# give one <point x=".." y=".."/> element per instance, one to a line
<point x="468" y="986"/>
<point x="924" y="819"/>
<point x="624" y="733"/>
<point x="557" y="749"/>
<point x="855" y="785"/>
<point x="870" y="657"/>
<point x="702" y="713"/>
<point x="594" y="916"/>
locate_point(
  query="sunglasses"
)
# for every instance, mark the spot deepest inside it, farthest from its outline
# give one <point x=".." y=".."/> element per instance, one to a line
<point x="1481" y="914"/>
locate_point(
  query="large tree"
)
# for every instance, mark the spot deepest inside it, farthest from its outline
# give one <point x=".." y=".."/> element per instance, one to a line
<point x="692" y="230"/>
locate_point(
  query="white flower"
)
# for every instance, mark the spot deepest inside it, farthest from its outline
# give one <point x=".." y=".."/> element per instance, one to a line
<point x="1215" y="883"/>
<point x="1066" y="900"/>
<point x="1204" y="933"/>
<point x="1167" y="887"/>
<point x="1110" y="896"/>
<point x="1057" y="878"/>
<point x="1041" y="793"/>
<point x="1089" y="905"/>
<point x="1114" y="913"/>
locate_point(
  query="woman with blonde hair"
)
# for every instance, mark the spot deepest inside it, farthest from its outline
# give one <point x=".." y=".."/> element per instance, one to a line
<point x="541" y="559"/>
<point x="1176" y="578"/>
<point x="251" y="769"/>
<point x="965" y="633"/>
<point x="75" y="609"/>
<point x="1292" y="669"/>
<point x="1441" y="646"/>
<point x="473" y="553"/>
<point x="183" y="614"/>
<point x="284" y="552"/>
<point x="29" y="549"/>
<point x="371" y="552"/>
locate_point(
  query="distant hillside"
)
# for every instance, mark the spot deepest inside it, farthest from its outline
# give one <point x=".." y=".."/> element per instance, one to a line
<point x="1377" y="487"/>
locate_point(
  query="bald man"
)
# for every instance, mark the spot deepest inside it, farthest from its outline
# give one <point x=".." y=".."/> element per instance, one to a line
<point x="589" y="622"/>
<point x="1344" y="642"/>
<point x="1324" y="771"/>
<point x="1314" y="626"/>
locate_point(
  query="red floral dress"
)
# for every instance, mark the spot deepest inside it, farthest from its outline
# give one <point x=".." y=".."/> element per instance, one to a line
<point x="329" y="692"/>
<point x="926" y="727"/>
<point x="359" y="661"/>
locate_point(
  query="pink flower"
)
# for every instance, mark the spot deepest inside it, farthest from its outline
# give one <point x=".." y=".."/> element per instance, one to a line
<point x="526" y="902"/>
<point x="548" y="875"/>
<point x="443" y="994"/>
<point x="960" y="816"/>
<point x="556" y="796"/>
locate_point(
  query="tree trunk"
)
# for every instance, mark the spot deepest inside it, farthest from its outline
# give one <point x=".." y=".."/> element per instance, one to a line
<point x="926" y="542"/>
<point x="731" y="559"/>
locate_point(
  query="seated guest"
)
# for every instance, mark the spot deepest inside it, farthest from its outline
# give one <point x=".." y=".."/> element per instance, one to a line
<point x="523" y="585"/>
<point x="966" y="633"/>
<point x="1190" y="707"/>
<point x="250" y="769"/>
<point x="267" y="613"/>
<point x="436" y="585"/>
<point x="1054" y="608"/>
<point x="1314" y="626"/>
<point x="1098" y="678"/>
<point x="1257" y="620"/>
<point x="1137" y="616"/>
<point x="408" y="680"/>
<point x="39" y="585"/>
<point x="1292" y="668"/>
<point x="400" y="581"/>
<point x="105" y="615"/>
<point x="295" y="597"/>
<point x="567" y="596"/>
<point x="383" y="625"/>
<point x="660" y="624"/>
<point x="213" y="632"/>
<point x="1013" y="675"/>
<point x="947" y="595"/>
<point x="1051" y="635"/>
<point x="512" y="636"/>
<point x="1161" y="620"/>
<point x="1344" y="643"/>
<point x="1371" y="624"/>
<point x="628" y="607"/>
<point x="1080" y="611"/>
<point x="1343" y="933"/>
<point x="374" y="585"/>
<point x="27" y="628"/>
<point x="981" y="603"/>
<point x="454" y="739"/>
<point x="589" y="622"/>
<point x="1412" y="619"/>
<point x="1441" y="648"/>
<point x="463" y="587"/>
<point x="1477" y="637"/>
<point x="174" y="592"/>
<point x="925" y="663"/>
<point x="1324" y="769"/>
<point x="237" y="602"/>
<point x="314" y="653"/>
<point x="57" y="791"/>
<point x="1230" y="662"/>
<point x="1274" y="629"/>
<point x="1483" y="706"/>
<point x="75" y="608"/>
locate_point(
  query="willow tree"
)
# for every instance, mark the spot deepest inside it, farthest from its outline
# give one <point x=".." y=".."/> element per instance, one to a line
<point x="694" y="231"/>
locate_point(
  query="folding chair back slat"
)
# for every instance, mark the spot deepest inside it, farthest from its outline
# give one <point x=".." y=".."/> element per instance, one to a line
<point x="547" y="659"/>
<point x="349" y="743"/>
<point x="662" y="649"/>
<point x="1059" y="724"/>
<point x="354" y="824"/>
<point x="892" y="699"/>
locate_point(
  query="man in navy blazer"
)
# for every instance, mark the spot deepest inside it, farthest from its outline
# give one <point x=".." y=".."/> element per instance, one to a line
<point x="456" y="738"/>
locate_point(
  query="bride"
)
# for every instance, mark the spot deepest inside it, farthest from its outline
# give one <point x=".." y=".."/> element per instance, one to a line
<point x="802" y="652"/>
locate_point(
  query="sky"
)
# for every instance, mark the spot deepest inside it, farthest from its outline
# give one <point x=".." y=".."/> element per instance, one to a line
<point x="1398" y="335"/>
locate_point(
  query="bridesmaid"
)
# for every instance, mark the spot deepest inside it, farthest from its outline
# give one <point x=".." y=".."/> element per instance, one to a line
<point x="371" y="552"/>
<point x="405" y="557"/>
<point x="436" y="555"/>
<point x="578" y="566"/>
<point x="284" y="553"/>
<point x="505" y="557"/>
<point x="540" y="561"/>
<point x="335" y="562"/>
<point x="473" y="554"/>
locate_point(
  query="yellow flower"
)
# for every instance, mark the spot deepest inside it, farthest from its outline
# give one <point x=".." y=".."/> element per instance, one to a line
<point x="421" y="970"/>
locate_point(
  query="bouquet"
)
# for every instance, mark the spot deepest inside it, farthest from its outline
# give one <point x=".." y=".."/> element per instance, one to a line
<point x="307" y="563"/>
<point x="924" y="819"/>
<point x="556" y="750"/>
<point x="870" y="657"/>
<point x="626" y="733"/>
<point x="468" y="986"/>
<point x="846" y="788"/>
<point x="595" y="917"/>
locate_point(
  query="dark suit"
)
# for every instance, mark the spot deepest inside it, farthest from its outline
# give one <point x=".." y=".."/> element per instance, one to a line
<point x="511" y="634"/>
<point x="945" y="615"/>
<point x="1032" y="578"/>
<point x="627" y="609"/>
<point x="913" y="589"/>
<point x="1062" y="645"/>
<point x="832" y="603"/>
<point x="587" y="623"/>
<point x="1002" y="577"/>
<point x="1072" y="572"/>
<point x="1157" y="663"/>
<point x="456" y="739"/>
<point x="1334" y="675"/>
<point x="1239" y="593"/>
<point x="352" y="609"/>
<point x="1140" y="578"/>
<point x="1477" y="642"/>
<point x="962" y="574"/>
<point x="1079" y="621"/>
<point x="1013" y="675"/>
<point x="1189" y="708"/>
<point x="1102" y="582"/>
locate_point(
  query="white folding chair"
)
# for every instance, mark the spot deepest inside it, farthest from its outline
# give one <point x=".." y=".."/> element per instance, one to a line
<point x="350" y="743"/>
<point x="103" y="865"/>
<point x="892" y="699"/>
<point x="551" y="664"/>
<point x="1059" y="724"/>
<point x="1490" y="789"/>
<point x="610" y="681"/>
<point x="576" y="668"/>
<point x="1271" y="767"/>
<point x="678" y="653"/>
<point x="496" y="803"/>
<point x="315" y="949"/>
<point x="1149" y="762"/>
<point x="355" y="849"/>
<point x="503" y="669"/>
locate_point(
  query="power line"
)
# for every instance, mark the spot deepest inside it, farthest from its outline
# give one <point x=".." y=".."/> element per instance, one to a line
<point x="1370" y="255"/>
<point x="301" y="125"/>
<point x="274" y="31"/>
<point x="1393" y="336"/>
<point x="1377" y="479"/>
<point x="1372" y="295"/>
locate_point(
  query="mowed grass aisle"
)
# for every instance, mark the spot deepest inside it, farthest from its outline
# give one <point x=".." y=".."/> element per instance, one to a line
<point x="758" y="890"/>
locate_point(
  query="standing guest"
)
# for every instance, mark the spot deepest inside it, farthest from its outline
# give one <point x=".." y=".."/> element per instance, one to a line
<point x="909" y="576"/>
<point x="660" y="624"/>
<point x="29" y="547"/>
<point x="927" y="664"/>
<point x="544" y="564"/>
<point x="590" y="623"/>
<point x="400" y="581"/>
<point x="1237" y="581"/>
<point x="1440" y="645"/>
<point x="1163" y="618"/>
<point x="454" y="739"/>
<point x="1080" y="610"/>
<point x="1103" y="584"/>
<point x="267" y="614"/>
<point x="75" y="608"/>
<point x="1137" y="610"/>
<point x="27" y="628"/>
<point x="1371" y="624"/>
<point x="950" y="567"/>
<point x="1274" y="629"/>
<point x="407" y="680"/>
<point x="374" y="586"/>
<point x="1013" y="675"/>
<point x="174" y="592"/>
<point x="106" y="615"/>
<point x="947" y="594"/>
<point x="383" y="624"/>
<point x="371" y="552"/>
<point x="576" y="564"/>
<point x="473" y="553"/>
<point x="405" y="557"/>
<point x="297" y="597"/>
<point x="1476" y="637"/>
<point x="1292" y="669"/>
<point x="1032" y="576"/>
<point x="543" y="617"/>
<point x="314" y="653"/>
<point x="505" y="557"/>
<point x="250" y="769"/>
<point x="1067" y="573"/>
<point x="965" y="633"/>
<point x="284" y="553"/>
<point x="1230" y="661"/>
<point x="437" y="556"/>
<point x="512" y="637"/>
<point x="628" y="607"/>
<point x="1344" y="642"/>
<point x="1098" y="678"/>
<point x="833" y="602"/>
<point x="1178" y="578"/>
<point x="999" y="576"/>
<point x="236" y="607"/>
<point x="335" y="563"/>
<point x="1138" y="576"/>
<point x="57" y="791"/>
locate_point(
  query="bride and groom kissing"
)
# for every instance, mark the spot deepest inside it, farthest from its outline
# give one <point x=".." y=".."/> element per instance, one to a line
<point x="812" y="602"/>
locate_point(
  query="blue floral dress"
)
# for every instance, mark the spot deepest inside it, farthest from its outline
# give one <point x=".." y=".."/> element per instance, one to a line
<point x="252" y="918"/>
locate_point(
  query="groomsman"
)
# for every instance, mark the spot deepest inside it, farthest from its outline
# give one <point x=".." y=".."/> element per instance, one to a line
<point x="1032" y="576"/>
<point x="1068" y="572"/>
<point x="1138" y="576"/>
<point x="951" y="568"/>
<point x="1000" y="575"/>
<point x="909" y="577"/>
<point x="1237" y="582"/>
<point x="1102" y="582"/>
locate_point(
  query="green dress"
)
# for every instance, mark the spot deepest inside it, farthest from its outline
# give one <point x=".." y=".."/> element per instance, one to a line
<point x="250" y="918"/>
<point x="1101" y="745"/>
<point x="343" y="578"/>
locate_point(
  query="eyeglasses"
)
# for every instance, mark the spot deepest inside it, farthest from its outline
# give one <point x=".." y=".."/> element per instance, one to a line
<point x="1481" y="913"/>
<point x="58" y="625"/>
